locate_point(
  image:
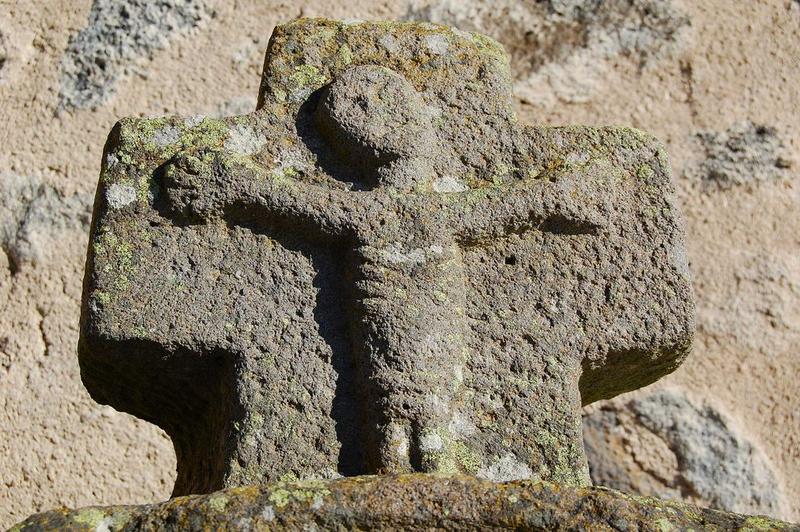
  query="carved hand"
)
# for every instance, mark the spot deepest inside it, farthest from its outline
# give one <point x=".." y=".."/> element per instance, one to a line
<point x="203" y="183"/>
<point x="565" y="207"/>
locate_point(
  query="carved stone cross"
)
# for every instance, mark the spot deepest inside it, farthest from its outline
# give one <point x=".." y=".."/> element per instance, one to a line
<point x="379" y="270"/>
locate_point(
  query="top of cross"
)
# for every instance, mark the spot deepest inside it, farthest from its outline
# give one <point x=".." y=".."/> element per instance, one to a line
<point x="306" y="54"/>
<point x="450" y="89"/>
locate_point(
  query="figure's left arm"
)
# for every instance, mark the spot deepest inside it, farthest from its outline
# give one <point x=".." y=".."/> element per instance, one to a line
<point x="567" y="204"/>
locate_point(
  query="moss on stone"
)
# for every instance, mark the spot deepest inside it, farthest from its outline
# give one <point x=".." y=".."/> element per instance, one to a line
<point x="424" y="501"/>
<point x="91" y="517"/>
<point x="218" y="503"/>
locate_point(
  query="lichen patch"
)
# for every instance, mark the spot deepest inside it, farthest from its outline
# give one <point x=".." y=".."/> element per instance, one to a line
<point x="245" y="140"/>
<point x="120" y="195"/>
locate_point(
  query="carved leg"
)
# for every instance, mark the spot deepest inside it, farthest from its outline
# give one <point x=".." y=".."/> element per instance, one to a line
<point x="410" y="315"/>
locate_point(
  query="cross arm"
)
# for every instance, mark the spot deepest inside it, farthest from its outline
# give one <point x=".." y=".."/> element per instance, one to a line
<point x="221" y="184"/>
<point x="568" y="204"/>
<point x="624" y="275"/>
<point x="636" y="309"/>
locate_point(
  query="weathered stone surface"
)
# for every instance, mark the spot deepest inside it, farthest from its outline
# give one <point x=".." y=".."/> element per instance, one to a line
<point x="410" y="502"/>
<point x="745" y="154"/>
<point x="117" y="34"/>
<point x="379" y="270"/>
<point x="664" y="445"/>
<point x="33" y="215"/>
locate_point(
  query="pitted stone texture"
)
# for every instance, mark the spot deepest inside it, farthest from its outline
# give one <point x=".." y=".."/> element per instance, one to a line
<point x="406" y="502"/>
<point x="277" y="308"/>
<point x="665" y="445"/>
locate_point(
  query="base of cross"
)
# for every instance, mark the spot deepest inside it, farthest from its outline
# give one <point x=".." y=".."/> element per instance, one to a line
<point x="412" y="502"/>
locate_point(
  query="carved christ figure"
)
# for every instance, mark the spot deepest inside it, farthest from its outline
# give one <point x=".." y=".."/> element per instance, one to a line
<point x="406" y="188"/>
<point x="409" y="324"/>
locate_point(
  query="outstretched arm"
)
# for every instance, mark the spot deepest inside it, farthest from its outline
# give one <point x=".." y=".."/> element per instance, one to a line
<point x="572" y="204"/>
<point x="219" y="184"/>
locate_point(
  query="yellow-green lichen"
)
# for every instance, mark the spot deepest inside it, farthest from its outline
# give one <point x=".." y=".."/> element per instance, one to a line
<point x="466" y="457"/>
<point x="207" y="133"/>
<point x="487" y="44"/>
<point x="664" y="525"/>
<point x="284" y="176"/>
<point x="758" y="523"/>
<point x="102" y="297"/>
<point x="303" y="80"/>
<point x="650" y="211"/>
<point x="136" y="139"/>
<point x="280" y="497"/>
<point x="644" y="172"/>
<point x="237" y="161"/>
<point x="218" y="503"/>
<point x="91" y="517"/>
<point x="289" y="489"/>
<point x="288" y="477"/>
<point x="114" y="258"/>
<point x="345" y="55"/>
<point x="148" y="127"/>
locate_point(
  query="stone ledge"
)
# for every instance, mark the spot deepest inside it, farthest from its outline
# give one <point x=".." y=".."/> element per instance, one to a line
<point x="412" y="502"/>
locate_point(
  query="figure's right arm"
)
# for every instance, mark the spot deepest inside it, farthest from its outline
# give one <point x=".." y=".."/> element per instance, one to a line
<point x="223" y="185"/>
<point x="204" y="184"/>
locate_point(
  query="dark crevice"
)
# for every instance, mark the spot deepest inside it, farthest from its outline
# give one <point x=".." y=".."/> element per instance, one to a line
<point x="42" y="333"/>
<point x="13" y="264"/>
<point x="331" y="314"/>
<point x="561" y="225"/>
<point x="687" y="73"/>
<point x="555" y="225"/>
<point x="293" y="232"/>
<point x="332" y="279"/>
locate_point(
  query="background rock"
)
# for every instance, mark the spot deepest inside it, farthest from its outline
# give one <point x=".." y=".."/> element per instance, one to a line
<point x="239" y="105"/>
<point x="33" y="216"/>
<point x="666" y="446"/>
<point x="564" y="46"/>
<point x="118" y="33"/>
<point x="746" y="153"/>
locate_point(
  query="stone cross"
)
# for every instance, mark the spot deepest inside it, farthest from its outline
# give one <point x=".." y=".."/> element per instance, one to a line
<point x="379" y="270"/>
